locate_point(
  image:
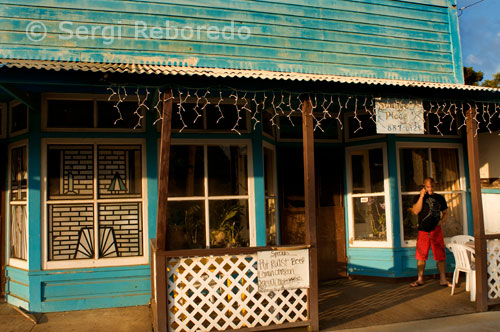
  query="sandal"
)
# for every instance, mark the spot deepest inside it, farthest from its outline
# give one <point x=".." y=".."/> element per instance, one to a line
<point x="416" y="284"/>
<point x="446" y="284"/>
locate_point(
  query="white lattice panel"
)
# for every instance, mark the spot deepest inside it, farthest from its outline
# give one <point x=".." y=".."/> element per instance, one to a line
<point x="493" y="269"/>
<point x="221" y="292"/>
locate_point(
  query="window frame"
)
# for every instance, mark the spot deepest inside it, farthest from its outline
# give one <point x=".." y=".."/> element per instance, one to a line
<point x="387" y="201"/>
<point x="462" y="181"/>
<point x="3" y="120"/>
<point x="12" y="104"/>
<point x="250" y="180"/>
<point x="101" y="262"/>
<point x="12" y="261"/>
<point x="84" y="97"/>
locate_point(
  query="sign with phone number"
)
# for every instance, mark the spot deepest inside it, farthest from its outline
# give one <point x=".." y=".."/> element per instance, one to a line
<point x="399" y="116"/>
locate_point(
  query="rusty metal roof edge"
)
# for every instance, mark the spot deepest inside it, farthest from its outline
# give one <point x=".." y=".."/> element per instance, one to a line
<point x="225" y="72"/>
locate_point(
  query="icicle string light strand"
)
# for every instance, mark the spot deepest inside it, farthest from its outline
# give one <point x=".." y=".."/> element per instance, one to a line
<point x="238" y="111"/>
<point x="117" y="105"/>
<point x="254" y="116"/>
<point x="140" y="106"/>
<point x="196" y="107"/>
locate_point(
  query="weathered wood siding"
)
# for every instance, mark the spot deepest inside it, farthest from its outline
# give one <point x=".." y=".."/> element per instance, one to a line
<point x="393" y="39"/>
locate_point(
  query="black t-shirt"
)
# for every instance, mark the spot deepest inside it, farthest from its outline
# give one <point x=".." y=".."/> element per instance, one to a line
<point x="430" y="215"/>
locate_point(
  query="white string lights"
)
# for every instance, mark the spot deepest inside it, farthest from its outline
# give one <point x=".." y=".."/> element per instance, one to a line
<point x="284" y="105"/>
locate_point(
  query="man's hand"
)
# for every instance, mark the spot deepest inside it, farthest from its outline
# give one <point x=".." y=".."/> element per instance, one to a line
<point x="423" y="192"/>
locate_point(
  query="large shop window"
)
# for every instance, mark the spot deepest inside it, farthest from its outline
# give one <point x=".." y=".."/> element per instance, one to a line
<point x="367" y="194"/>
<point x="94" y="204"/>
<point x="18" y="195"/>
<point x="271" y="195"/>
<point x="208" y="204"/>
<point x="442" y="164"/>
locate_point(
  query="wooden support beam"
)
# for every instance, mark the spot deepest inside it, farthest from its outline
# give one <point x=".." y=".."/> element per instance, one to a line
<point x="166" y="133"/>
<point x="477" y="213"/>
<point x="310" y="209"/>
<point x="19" y="95"/>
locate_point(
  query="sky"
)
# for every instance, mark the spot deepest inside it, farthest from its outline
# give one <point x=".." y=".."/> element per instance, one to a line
<point x="480" y="35"/>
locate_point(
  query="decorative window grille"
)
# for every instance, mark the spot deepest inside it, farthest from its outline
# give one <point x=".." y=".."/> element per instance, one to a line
<point x="94" y="201"/>
<point x="18" y="189"/>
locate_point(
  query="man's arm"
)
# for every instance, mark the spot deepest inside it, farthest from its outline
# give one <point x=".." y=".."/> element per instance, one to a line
<point x="444" y="217"/>
<point x="417" y="207"/>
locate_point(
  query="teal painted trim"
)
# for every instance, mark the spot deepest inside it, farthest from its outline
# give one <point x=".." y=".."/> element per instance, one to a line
<point x="468" y="198"/>
<point x="96" y="302"/>
<point x="392" y="166"/>
<point x="259" y="186"/>
<point x="34" y="195"/>
<point x="15" y="301"/>
<point x="208" y="135"/>
<point x="371" y="262"/>
<point x="77" y="274"/>
<point x="152" y="137"/>
<point x="456" y="45"/>
<point x="490" y="191"/>
<point x="372" y="140"/>
<point x="88" y="134"/>
<point x="427" y="139"/>
<point x="17" y="287"/>
<point x="406" y="259"/>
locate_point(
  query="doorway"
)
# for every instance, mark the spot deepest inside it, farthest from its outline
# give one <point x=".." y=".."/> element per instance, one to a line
<point x="331" y="240"/>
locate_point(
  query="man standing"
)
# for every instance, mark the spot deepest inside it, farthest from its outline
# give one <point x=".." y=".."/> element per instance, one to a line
<point x="432" y="211"/>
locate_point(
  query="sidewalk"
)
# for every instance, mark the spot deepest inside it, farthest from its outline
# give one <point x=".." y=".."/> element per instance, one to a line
<point x="138" y="319"/>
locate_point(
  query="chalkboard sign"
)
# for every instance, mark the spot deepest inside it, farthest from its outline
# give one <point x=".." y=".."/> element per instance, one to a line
<point x="399" y="116"/>
<point x="283" y="269"/>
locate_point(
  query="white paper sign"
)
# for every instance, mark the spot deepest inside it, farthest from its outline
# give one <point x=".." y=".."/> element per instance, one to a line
<point x="282" y="269"/>
<point x="399" y="116"/>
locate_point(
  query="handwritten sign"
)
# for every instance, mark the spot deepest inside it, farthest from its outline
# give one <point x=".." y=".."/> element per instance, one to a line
<point x="281" y="269"/>
<point x="399" y="116"/>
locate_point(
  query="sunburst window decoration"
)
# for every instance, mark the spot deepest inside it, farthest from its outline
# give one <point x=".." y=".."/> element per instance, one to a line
<point x="117" y="185"/>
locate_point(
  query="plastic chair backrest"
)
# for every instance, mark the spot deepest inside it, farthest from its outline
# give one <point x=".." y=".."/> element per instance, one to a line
<point x="461" y="239"/>
<point x="463" y="256"/>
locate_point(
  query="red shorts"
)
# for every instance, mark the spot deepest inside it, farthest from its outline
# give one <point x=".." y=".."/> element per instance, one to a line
<point x="427" y="239"/>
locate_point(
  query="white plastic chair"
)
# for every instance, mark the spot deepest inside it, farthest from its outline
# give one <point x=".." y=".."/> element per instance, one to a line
<point x="462" y="239"/>
<point x="463" y="263"/>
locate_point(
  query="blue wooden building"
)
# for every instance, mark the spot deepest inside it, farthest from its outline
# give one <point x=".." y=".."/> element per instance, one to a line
<point x="80" y="96"/>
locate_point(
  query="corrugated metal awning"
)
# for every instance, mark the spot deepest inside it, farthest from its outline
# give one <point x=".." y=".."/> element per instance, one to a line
<point x="224" y="72"/>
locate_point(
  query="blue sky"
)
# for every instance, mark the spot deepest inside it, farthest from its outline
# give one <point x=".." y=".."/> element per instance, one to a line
<point x="480" y="35"/>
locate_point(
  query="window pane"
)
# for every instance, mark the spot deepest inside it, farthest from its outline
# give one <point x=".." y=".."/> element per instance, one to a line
<point x="186" y="225"/>
<point x="18" y="231"/>
<point x="414" y="164"/>
<point x="270" y="192"/>
<point x="70" y="114"/>
<point x="229" y="223"/>
<point x="445" y="169"/>
<point x="290" y="127"/>
<point x="455" y="223"/>
<point x="71" y="231"/>
<point x="19" y="118"/>
<point x="186" y="171"/>
<point x="366" y="128"/>
<point x="230" y="116"/>
<point x="120" y="230"/>
<point x="70" y="171"/>
<point x="120" y="171"/>
<point x="227" y="170"/>
<point x="18" y="174"/>
<point x="368" y="171"/>
<point x="410" y="221"/>
<point x="109" y="117"/>
<point x="369" y="218"/>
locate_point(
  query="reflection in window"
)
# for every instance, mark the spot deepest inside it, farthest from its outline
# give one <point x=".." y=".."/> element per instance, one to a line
<point x="442" y="164"/>
<point x="18" y="118"/>
<point x="270" y="196"/>
<point x="18" y="202"/>
<point x="209" y="202"/>
<point x="368" y="198"/>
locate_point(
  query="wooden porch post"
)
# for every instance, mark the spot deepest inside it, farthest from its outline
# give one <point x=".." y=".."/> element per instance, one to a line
<point x="310" y="209"/>
<point x="166" y="131"/>
<point x="477" y="214"/>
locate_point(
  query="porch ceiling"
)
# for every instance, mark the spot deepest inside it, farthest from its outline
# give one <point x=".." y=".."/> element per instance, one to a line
<point x="226" y="73"/>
